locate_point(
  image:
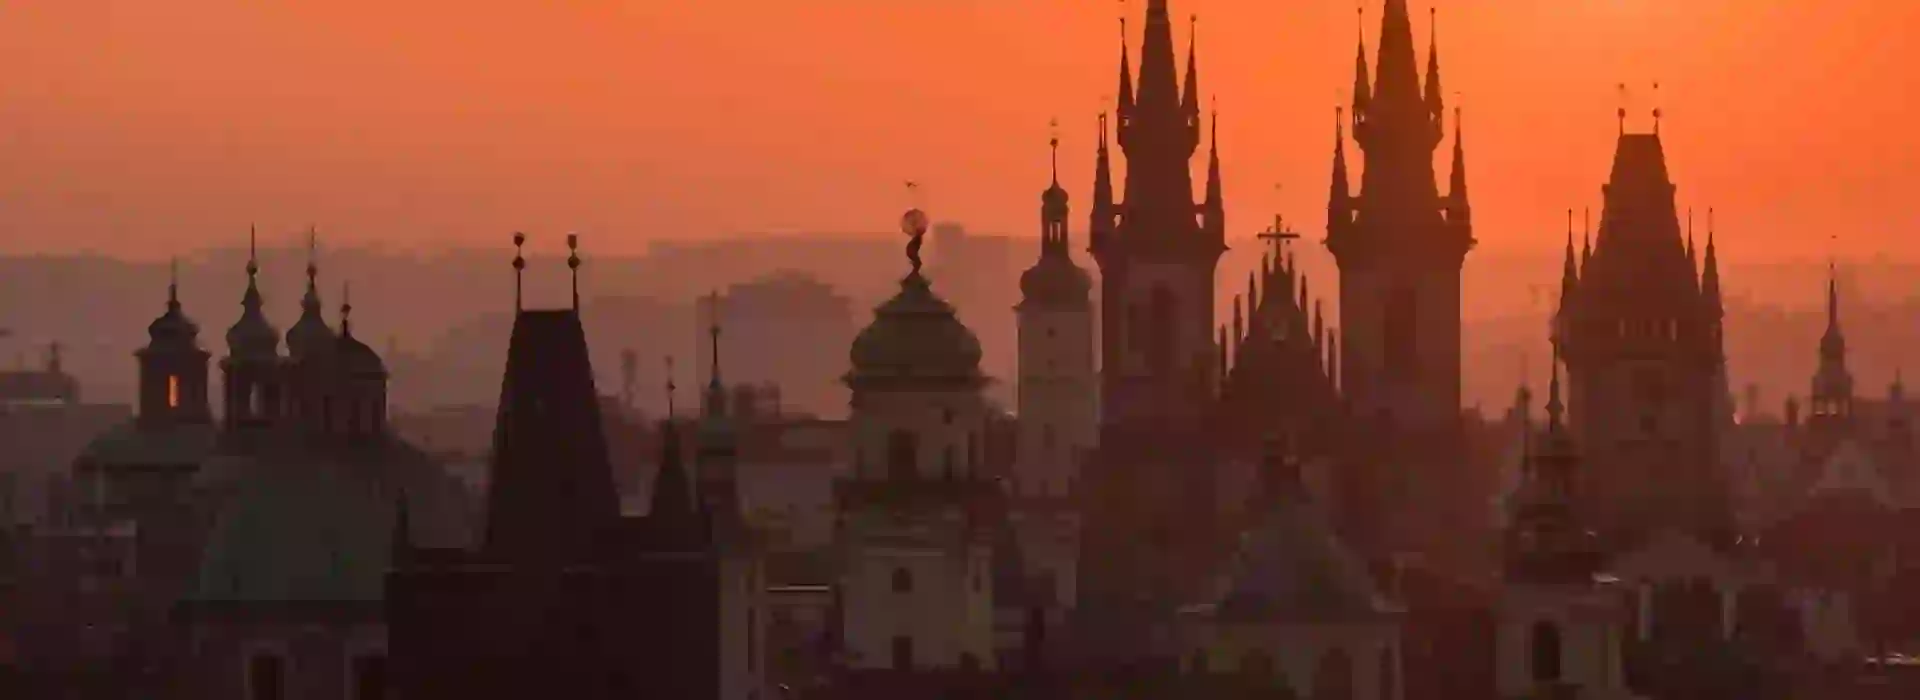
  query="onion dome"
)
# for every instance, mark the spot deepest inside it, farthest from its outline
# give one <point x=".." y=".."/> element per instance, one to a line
<point x="252" y="336"/>
<point x="173" y="330"/>
<point x="356" y="358"/>
<point x="915" y="337"/>
<point x="310" y="335"/>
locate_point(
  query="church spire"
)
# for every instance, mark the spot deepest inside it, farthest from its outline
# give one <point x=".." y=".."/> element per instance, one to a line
<point x="1457" y="186"/>
<point x="1362" y="89"/>
<point x="1124" y="109"/>
<point x="1215" y="206"/>
<point x="1102" y="221"/>
<point x="1190" y="97"/>
<point x="1569" y="273"/>
<point x="1339" y="196"/>
<point x="1554" y="408"/>
<point x="1833" y="344"/>
<point x="1435" y="105"/>
<point x="1397" y="73"/>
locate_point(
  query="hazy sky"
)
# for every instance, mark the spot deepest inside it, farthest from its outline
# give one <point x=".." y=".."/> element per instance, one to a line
<point x="146" y="126"/>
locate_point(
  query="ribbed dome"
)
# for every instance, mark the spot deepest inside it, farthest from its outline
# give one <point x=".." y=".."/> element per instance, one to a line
<point x="309" y="335"/>
<point x="173" y="330"/>
<point x="252" y="336"/>
<point x="915" y="337"/>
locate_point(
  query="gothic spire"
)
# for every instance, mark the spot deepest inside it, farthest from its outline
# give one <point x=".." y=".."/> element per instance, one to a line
<point x="1693" y="259"/>
<point x="1158" y="95"/>
<point x="1435" y="106"/>
<point x="1569" y="275"/>
<point x="1339" y="196"/>
<point x="1102" y="221"/>
<point x="1125" y="106"/>
<point x="1554" y="407"/>
<point x="1397" y="72"/>
<point x="1457" y="187"/>
<point x="1216" y="202"/>
<point x="1362" y="89"/>
<point x="1833" y="344"/>
<point x="1190" y="97"/>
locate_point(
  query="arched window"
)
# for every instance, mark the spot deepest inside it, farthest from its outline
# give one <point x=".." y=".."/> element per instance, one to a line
<point x="1546" y="652"/>
<point x="1333" y="680"/>
<point x="173" y="391"/>
<point x="902" y="580"/>
<point x="266" y="676"/>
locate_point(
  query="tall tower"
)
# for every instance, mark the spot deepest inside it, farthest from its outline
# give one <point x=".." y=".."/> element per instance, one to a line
<point x="1149" y="486"/>
<point x="173" y="367"/>
<point x="1157" y="250"/>
<point x="252" y="365"/>
<point x="1832" y="396"/>
<point x="1639" y="330"/>
<point x="1400" y="245"/>
<point x="1058" y="398"/>
<point x="917" y="587"/>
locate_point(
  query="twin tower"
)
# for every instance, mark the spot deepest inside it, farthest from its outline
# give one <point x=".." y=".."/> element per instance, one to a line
<point x="1399" y="242"/>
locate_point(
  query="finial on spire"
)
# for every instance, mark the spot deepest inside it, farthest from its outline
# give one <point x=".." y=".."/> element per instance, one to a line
<point x="573" y="265"/>
<point x="914" y="225"/>
<point x="173" y="283"/>
<point x="519" y="265"/>
<point x="313" y="253"/>
<point x="253" y="251"/>
<point x="1623" y="108"/>
<point x="1053" y="146"/>
<point x="346" y="309"/>
<point x="1656" y="107"/>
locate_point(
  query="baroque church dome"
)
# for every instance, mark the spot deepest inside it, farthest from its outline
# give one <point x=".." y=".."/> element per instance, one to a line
<point x="301" y="521"/>
<point x="915" y="337"/>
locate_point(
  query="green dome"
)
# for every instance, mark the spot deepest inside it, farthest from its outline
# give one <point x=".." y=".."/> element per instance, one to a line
<point x="317" y="525"/>
<point x="915" y="337"/>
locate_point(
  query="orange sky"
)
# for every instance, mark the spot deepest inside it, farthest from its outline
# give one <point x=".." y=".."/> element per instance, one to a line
<point x="145" y="127"/>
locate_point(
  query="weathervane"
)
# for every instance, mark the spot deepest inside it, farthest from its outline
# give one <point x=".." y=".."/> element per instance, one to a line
<point x="914" y="224"/>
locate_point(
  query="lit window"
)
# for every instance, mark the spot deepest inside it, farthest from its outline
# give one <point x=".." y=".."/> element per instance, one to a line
<point x="173" y="391"/>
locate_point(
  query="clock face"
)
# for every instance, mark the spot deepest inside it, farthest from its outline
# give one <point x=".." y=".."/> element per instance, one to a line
<point x="914" y="222"/>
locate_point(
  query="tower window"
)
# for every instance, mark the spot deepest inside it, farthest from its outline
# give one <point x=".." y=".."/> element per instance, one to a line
<point x="902" y="580"/>
<point x="173" y="391"/>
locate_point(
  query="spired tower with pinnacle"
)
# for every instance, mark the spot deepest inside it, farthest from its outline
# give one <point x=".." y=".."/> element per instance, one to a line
<point x="1149" y="488"/>
<point x="1058" y="396"/>
<point x="1400" y="244"/>
<point x="1639" y="330"/>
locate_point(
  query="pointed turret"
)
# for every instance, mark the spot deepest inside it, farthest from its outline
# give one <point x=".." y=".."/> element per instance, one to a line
<point x="1833" y="344"/>
<point x="1397" y="72"/>
<point x="252" y="337"/>
<point x="1459" y="209"/>
<point x="1190" y="95"/>
<point x="1124" y="110"/>
<point x="1055" y="281"/>
<point x="310" y="333"/>
<point x="1362" y="87"/>
<point x="1569" y="286"/>
<point x="1435" y="104"/>
<point x="1339" y="192"/>
<point x="1100" y="223"/>
<point x="1158" y="97"/>
<point x="1693" y="259"/>
<point x="1214" y="210"/>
